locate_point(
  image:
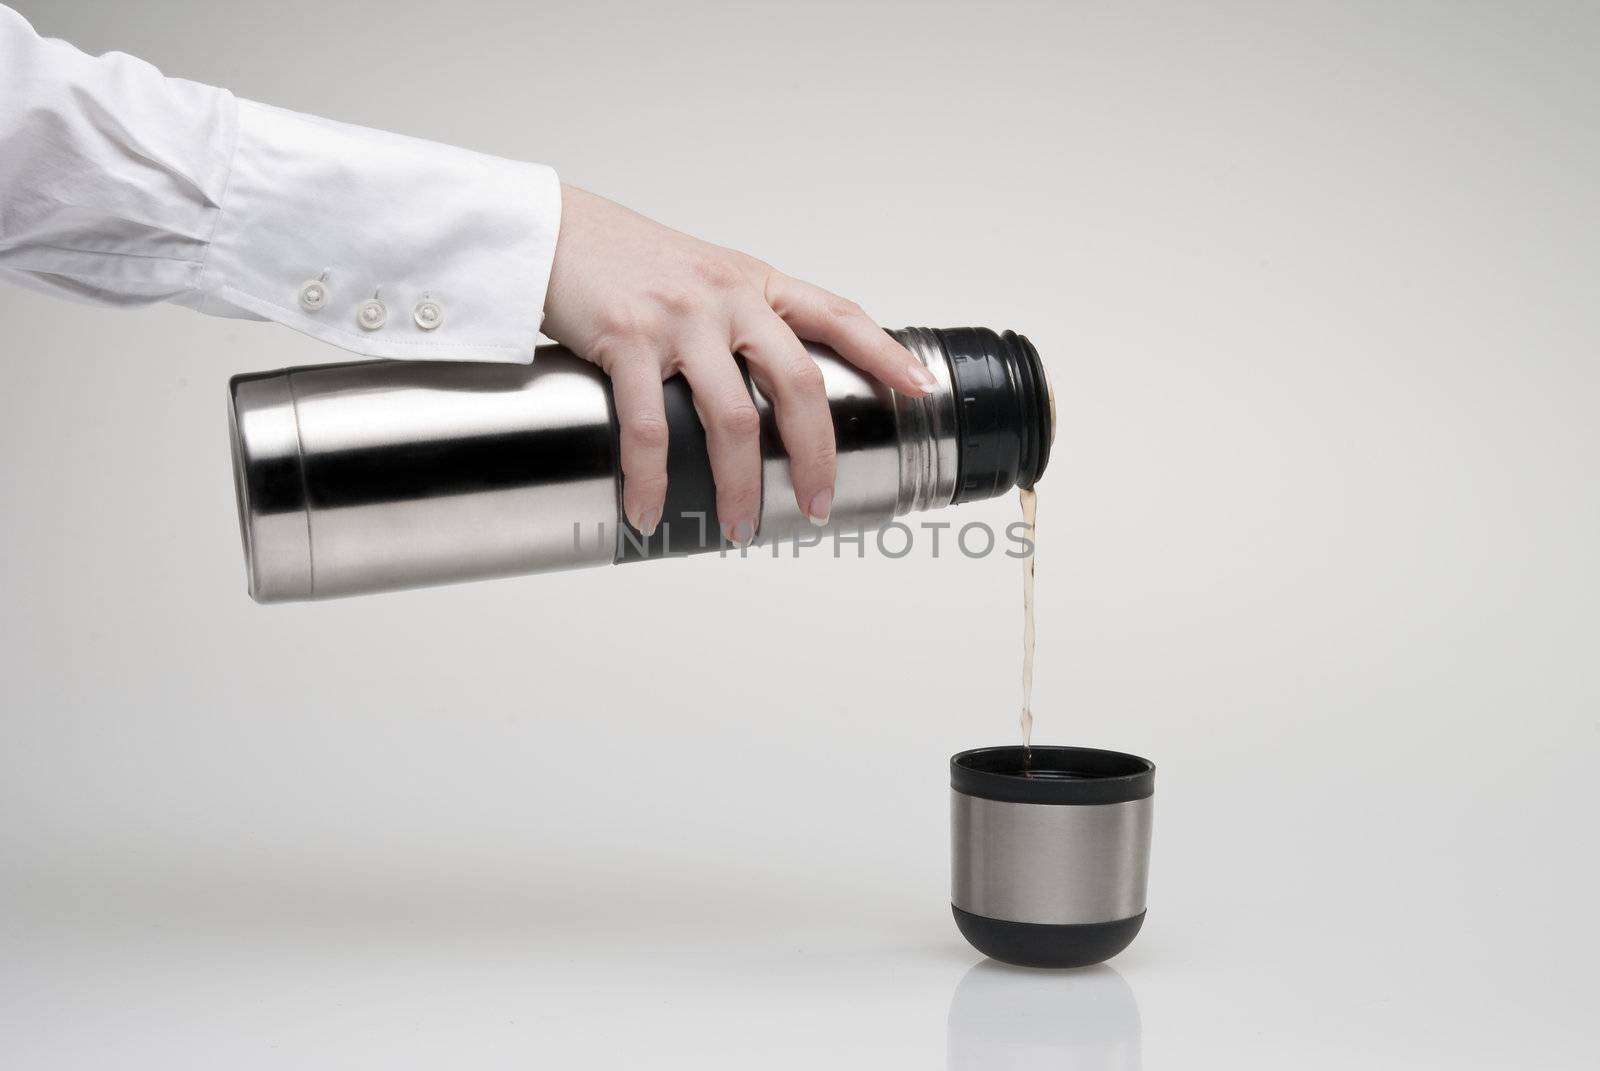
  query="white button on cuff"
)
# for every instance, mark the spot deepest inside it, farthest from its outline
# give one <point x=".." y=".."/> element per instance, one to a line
<point x="371" y="315"/>
<point x="428" y="314"/>
<point x="313" y="294"/>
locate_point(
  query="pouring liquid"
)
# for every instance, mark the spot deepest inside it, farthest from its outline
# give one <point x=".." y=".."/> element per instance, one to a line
<point x="1030" y="509"/>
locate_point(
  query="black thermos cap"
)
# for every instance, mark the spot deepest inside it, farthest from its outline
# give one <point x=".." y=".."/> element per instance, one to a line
<point x="1003" y="411"/>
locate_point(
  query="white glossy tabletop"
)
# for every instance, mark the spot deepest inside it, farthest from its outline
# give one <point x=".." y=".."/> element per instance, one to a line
<point x="417" y="970"/>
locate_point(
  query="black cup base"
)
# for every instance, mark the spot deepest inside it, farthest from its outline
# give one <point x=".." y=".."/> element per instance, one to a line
<point x="1031" y="944"/>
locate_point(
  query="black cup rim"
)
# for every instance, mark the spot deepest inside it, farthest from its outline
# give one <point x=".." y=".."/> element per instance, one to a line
<point x="1099" y="776"/>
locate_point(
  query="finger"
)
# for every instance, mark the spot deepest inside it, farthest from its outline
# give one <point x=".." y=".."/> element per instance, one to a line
<point x="815" y="314"/>
<point x="641" y="415"/>
<point x="733" y="433"/>
<point x="786" y="373"/>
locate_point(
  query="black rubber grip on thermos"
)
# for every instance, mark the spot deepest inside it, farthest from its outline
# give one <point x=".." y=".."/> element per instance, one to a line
<point x="689" y="523"/>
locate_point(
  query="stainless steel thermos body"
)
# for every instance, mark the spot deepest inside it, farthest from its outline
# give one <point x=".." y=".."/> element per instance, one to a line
<point x="1050" y="852"/>
<point x="379" y="475"/>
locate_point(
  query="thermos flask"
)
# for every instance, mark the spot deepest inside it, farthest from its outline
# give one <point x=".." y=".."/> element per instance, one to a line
<point x="379" y="475"/>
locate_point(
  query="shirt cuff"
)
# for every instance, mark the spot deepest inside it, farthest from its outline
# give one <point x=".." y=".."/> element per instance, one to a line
<point x="383" y="245"/>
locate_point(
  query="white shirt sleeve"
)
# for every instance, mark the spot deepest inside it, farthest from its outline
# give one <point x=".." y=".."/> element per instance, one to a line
<point x="121" y="186"/>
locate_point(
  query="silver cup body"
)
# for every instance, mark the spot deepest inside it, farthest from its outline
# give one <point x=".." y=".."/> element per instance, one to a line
<point x="1049" y="864"/>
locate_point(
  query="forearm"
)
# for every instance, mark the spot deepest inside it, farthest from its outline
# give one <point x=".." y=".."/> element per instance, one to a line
<point x="121" y="186"/>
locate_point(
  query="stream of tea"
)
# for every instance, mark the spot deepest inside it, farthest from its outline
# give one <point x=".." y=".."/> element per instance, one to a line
<point x="1030" y="510"/>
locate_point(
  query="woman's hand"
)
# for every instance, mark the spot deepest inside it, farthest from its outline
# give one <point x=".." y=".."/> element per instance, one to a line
<point x="645" y="303"/>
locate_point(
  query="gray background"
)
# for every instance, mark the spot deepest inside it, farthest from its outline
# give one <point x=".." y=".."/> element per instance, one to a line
<point x="1317" y="287"/>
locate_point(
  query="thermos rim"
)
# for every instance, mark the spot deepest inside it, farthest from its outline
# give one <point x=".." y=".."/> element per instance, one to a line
<point x="1093" y="776"/>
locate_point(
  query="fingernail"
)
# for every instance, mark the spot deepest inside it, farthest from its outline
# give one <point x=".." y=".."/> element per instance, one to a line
<point x="647" y="523"/>
<point x="739" y="534"/>
<point x="821" y="505"/>
<point x="922" y="378"/>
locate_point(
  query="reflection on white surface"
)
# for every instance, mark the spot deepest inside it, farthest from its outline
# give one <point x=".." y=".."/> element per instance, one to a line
<point x="1012" y="1017"/>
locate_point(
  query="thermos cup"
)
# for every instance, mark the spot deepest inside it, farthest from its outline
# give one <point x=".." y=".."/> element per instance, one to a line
<point x="1050" y="852"/>
<point x="379" y="475"/>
